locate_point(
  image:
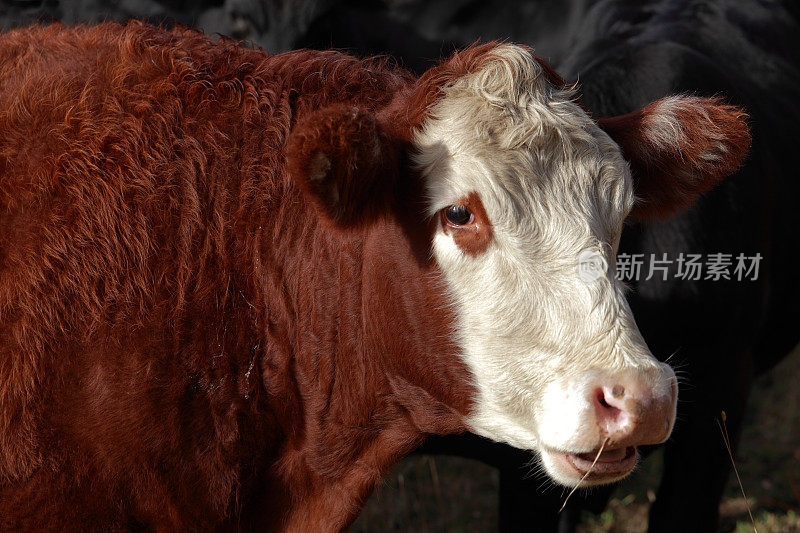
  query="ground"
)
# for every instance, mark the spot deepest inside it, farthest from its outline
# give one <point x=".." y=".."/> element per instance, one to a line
<point x="427" y="493"/>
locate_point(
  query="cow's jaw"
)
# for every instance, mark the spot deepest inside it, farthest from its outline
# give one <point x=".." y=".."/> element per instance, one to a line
<point x="538" y="335"/>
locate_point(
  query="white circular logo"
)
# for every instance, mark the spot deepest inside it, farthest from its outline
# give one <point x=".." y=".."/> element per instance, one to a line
<point x="591" y="265"/>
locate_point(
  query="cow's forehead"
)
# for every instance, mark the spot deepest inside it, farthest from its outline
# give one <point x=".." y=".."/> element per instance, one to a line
<point x="506" y="130"/>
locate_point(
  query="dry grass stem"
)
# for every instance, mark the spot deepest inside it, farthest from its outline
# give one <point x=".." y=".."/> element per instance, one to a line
<point x="584" y="476"/>
<point x="724" y="430"/>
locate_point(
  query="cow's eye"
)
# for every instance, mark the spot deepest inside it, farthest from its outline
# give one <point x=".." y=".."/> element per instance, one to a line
<point x="458" y="215"/>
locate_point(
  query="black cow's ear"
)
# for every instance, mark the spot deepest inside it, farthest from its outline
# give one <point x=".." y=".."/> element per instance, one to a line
<point x="344" y="162"/>
<point x="679" y="147"/>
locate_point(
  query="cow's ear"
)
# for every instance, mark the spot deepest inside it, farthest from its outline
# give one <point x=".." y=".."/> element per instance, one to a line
<point x="344" y="162"/>
<point x="679" y="147"/>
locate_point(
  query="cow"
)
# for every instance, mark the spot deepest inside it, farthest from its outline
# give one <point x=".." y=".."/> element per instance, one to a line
<point x="235" y="287"/>
<point x="722" y="334"/>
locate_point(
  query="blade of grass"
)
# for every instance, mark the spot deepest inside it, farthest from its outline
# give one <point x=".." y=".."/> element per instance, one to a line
<point x="724" y="430"/>
<point x="584" y="476"/>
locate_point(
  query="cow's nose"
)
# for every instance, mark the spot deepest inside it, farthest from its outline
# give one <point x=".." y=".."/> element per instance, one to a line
<point x="632" y="412"/>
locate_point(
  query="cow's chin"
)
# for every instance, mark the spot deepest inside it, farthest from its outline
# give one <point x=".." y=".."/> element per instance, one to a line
<point x="569" y="468"/>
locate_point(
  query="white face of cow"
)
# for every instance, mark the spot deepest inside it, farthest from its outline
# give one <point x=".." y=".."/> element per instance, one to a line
<point x="532" y="196"/>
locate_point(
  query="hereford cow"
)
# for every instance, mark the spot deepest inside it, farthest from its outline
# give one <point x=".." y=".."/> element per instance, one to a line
<point x="236" y="288"/>
<point x="721" y="333"/>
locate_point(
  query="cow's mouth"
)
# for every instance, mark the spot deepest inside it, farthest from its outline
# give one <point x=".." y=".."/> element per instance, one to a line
<point x="610" y="466"/>
<point x="611" y="462"/>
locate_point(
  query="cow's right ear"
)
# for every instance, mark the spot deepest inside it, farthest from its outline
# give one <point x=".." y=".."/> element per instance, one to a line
<point x="344" y="162"/>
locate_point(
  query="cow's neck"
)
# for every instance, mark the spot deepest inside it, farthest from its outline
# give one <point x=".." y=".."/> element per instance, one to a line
<point x="357" y="321"/>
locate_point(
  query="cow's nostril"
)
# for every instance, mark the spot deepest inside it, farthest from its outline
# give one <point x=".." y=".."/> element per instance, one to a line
<point x="628" y="411"/>
<point x="601" y="399"/>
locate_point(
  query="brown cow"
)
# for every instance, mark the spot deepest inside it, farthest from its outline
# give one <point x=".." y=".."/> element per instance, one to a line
<point x="236" y="288"/>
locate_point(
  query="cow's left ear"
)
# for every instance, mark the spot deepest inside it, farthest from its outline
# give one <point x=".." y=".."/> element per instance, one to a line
<point x="344" y="162"/>
<point x="679" y="147"/>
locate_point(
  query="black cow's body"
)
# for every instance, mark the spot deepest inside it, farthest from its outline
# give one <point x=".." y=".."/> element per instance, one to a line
<point x="720" y="334"/>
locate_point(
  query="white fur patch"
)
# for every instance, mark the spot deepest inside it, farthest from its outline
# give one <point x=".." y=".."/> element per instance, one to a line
<point x="553" y="185"/>
<point x="664" y="128"/>
<point x="592" y="265"/>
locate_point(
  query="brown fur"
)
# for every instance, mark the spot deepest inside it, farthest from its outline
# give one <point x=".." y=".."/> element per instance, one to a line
<point x="184" y="345"/>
